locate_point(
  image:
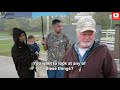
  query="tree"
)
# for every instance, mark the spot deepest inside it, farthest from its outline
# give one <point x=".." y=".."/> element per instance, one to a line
<point x="36" y="24"/>
<point x="10" y="24"/>
<point x="102" y="18"/>
<point x="2" y="25"/>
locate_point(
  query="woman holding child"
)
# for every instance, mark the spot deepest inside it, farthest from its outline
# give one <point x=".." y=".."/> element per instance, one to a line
<point x="21" y="54"/>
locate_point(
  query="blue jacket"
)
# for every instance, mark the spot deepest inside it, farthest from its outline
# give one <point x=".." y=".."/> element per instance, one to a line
<point x="34" y="48"/>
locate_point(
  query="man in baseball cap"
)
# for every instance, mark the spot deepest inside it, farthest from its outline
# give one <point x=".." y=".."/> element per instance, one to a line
<point x="95" y="59"/>
<point x="85" y="24"/>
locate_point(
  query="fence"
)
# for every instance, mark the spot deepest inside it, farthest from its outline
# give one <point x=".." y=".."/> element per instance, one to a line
<point x="109" y="38"/>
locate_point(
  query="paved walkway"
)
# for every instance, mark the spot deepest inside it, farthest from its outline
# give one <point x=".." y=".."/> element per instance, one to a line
<point x="7" y="68"/>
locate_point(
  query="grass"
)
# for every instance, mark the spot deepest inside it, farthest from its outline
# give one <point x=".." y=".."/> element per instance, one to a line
<point x="28" y="33"/>
<point x="4" y="34"/>
<point x="6" y="45"/>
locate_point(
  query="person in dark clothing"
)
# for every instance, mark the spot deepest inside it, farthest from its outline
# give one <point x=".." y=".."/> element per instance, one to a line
<point x="21" y="55"/>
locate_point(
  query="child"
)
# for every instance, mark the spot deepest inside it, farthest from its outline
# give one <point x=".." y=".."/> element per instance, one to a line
<point x="34" y="48"/>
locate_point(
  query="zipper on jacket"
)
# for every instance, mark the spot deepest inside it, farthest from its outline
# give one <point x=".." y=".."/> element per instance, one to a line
<point x="81" y="64"/>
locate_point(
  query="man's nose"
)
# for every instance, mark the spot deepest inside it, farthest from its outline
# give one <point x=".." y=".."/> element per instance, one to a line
<point x="87" y="37"/>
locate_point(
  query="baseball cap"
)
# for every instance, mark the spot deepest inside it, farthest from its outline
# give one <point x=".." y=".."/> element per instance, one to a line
<point x="85" y="24"/>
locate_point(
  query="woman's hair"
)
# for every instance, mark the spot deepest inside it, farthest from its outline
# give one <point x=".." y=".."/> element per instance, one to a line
<point x="16" y="34"/>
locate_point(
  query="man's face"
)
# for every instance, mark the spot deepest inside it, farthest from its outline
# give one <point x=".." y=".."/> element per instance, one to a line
<point x="57" y="27"/>
<point x="31" y="41"/>
<point x="85" y="38"/>
<point x="22" y="37"/>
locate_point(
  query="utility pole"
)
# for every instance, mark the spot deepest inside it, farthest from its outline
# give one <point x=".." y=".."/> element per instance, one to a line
<point x="47" y="25"/>
<point x="110" y="17"/>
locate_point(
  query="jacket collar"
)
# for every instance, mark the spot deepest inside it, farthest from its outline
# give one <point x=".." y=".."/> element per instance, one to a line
<point x="95" y="45"/>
